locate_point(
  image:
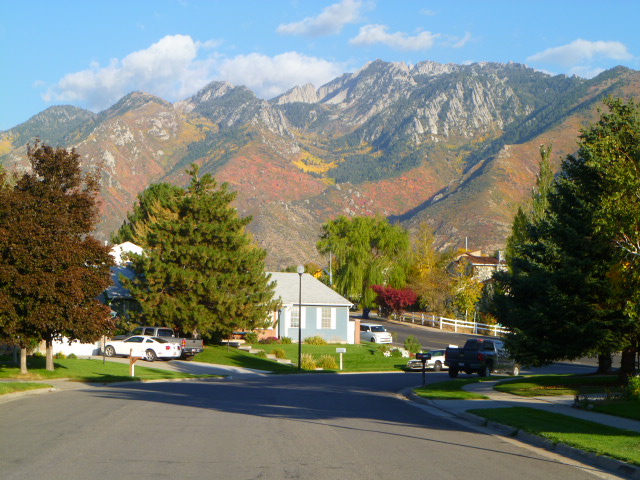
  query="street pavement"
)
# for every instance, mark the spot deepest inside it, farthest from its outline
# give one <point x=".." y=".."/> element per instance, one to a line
<point x="458" y="408"/>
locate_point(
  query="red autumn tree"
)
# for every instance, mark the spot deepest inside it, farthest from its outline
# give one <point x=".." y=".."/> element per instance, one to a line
<point x="393" y="300"/>
<point x="51" y="269"/>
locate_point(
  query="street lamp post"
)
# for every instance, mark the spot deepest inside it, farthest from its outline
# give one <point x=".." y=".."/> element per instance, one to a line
<point x="300" y="272"/>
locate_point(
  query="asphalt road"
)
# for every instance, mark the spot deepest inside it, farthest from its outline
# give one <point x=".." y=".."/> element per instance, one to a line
<point x="323" y="426"/>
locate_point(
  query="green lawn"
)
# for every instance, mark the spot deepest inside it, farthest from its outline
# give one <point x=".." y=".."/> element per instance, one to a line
<point x="10" y="387"/>
<point x="621" y="408"/>
<point x="359" y="358"/>
<point x="450" y="390"/>
<point x="548" y="385"/>
<point x="83" y="370"/>
<point x="588" y="436"/>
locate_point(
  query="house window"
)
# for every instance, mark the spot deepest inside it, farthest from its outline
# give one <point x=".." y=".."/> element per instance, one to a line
<point x="295" y="317"/>
<point x="326" y="317"/>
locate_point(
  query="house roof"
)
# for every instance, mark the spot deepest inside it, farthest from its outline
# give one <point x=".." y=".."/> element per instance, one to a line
<point x="479" y="260"/>
<point x="117" y="290"/>
<point x="127" y="247"/>
<point x="314" y="292"/>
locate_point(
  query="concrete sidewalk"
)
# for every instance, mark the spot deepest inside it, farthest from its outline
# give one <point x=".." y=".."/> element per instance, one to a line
<point x="556" y="404"/>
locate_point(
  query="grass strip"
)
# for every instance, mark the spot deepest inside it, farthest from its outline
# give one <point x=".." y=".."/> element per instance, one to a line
<point x="552" y="385"/>
<point x="621" y="408"/>
<point x="11" y="387"/>
<point x="582" y="434"/>
<point x="450" y="390"/>
<point x="358" y="358"/>
<point x="91" y="371"/>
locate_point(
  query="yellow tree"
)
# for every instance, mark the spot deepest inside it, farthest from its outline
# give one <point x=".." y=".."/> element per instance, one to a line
<point x="428" y="275"/>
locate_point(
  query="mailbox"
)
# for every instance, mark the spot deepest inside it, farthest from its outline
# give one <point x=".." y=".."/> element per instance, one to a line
<point x="423" y="356"/>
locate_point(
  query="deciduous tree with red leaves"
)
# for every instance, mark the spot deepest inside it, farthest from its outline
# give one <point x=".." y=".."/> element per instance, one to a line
<point x="393" y="300"/>
<point x="51" y="269"/>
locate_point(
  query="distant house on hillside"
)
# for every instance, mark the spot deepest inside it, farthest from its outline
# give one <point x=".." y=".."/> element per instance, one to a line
<point x="325" y="313"/>
<point x="478" y="266"/>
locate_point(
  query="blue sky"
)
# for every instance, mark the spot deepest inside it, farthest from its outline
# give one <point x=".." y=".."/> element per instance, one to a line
<point x="90" y="53"/>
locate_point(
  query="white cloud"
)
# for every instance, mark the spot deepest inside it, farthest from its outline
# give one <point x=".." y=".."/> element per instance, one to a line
<point x="329" y="22"/>
<point x="377" y="34"/>
<point x="580" y="51"/>
<point x="271" y="76"/>
<point x="173" y="70"/>
<point x="168" y="68"/>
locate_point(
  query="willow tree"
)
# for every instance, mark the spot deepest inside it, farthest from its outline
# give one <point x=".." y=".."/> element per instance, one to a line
<point x="368" y="251"/>
<point x="200" y="272"/>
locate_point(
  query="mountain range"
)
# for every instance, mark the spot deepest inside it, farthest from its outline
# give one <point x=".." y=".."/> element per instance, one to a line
<point x="455" y="146"/>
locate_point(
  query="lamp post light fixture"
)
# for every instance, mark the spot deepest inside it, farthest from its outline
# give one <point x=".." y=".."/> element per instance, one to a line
<point x="300" y="272"/>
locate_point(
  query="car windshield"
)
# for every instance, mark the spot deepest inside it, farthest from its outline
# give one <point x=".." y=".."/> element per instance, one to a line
<point x="377" y="328"/>
<point x="160" y="340"/>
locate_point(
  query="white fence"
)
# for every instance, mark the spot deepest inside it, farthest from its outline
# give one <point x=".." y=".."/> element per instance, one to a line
<point x="458" y="325"/>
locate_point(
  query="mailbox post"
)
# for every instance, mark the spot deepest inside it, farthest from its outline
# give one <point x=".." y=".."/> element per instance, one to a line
<point x="341" y="351"/>
<point x="423" y="357"/>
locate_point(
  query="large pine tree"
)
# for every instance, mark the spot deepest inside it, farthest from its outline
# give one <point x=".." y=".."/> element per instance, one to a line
<point x="201" y="272"/>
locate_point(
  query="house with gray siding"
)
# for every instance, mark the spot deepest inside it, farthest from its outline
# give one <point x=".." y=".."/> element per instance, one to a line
<point x="325" y="313"/>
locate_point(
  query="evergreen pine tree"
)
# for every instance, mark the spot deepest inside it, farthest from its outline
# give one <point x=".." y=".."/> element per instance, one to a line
<point x="200" y="272"/>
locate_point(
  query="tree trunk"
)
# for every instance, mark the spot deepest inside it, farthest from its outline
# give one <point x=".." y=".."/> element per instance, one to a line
<point x="49" y="344"/>
<point x="605" y="363"/>
<point x="23" y="361"/>
<point x="628" y="362"/>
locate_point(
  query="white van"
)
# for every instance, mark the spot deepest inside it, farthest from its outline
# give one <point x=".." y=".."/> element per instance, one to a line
<point x="372" y="332"/>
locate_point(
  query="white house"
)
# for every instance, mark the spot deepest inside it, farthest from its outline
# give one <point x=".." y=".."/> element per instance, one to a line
<point x="325" y="313"/>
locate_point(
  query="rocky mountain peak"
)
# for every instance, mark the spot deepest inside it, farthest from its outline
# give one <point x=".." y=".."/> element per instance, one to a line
<point x="304" y="94"/>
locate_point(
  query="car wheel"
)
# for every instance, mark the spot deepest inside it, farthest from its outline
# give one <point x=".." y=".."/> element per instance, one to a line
<point x="373" y="340"/>
<point x="150" y="355"/>
<point x="453" y="372"/>
<point x="437" y="366"/>
<point x="516" y="370"/>
<point x="486" y="371"/>
<point x="109" y="351"/>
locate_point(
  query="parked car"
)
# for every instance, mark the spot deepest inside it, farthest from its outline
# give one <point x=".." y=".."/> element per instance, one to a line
<point x="436" y="362"/>
<point x="372" y="332"/>
<point x="190" y="346"/>
<point x="149" y="348"/>
<point x="481" y="356"/>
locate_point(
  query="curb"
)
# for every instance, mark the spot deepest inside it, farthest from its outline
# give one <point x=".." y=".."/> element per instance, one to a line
<point x="612" y="465"/>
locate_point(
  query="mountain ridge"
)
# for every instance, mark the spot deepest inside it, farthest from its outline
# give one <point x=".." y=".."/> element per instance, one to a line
<point x="451" y="145"/>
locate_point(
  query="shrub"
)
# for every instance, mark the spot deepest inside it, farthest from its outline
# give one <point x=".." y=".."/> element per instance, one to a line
<point x="396" y="352"/>
<point x="308" y="362"/>
<point x="383" y="349"/>
<point x="38" y="355"/>
<point x="72" y="355"/>
<point x="634" y="387"/>
<point x="412" y="345"/>
<point x="286" y="340"/>
<point x="251" y="337"/>
<point x="60" y="356"/>
<point x="328" y="362"/>
<point x="261" y="354"/>
<point x="315" y="340"/>
<point x="268" y="340"/>
<point x="279" y="353"/>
